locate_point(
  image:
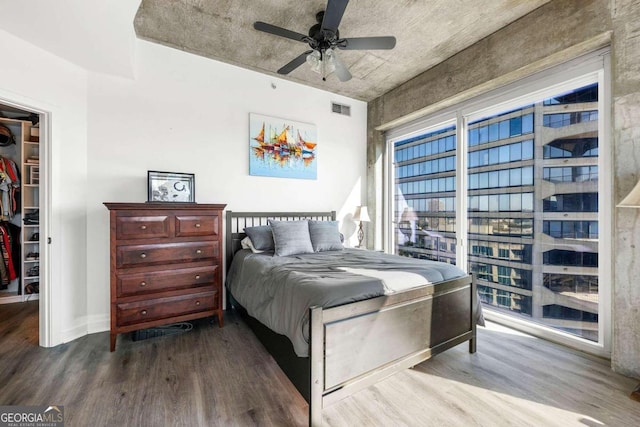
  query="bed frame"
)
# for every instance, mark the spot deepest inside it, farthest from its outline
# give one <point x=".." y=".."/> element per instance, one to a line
<point x="352" y="346"/>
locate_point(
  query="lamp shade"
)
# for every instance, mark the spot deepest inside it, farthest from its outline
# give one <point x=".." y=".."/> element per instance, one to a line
<point x="633" y="198"/>
<point x="361" y="214"/>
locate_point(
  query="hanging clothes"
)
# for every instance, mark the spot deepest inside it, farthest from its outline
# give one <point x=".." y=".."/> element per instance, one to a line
<point x="16" y="247"/>
<point x="9" y="186"/>
<point x="4" y="276"/>
<point x="7" y="256"/>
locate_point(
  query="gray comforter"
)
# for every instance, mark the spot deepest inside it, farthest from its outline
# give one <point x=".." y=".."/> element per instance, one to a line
<point x="278" y="291"/>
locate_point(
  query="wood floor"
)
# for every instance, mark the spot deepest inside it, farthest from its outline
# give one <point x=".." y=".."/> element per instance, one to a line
<point x="224" y="377"/>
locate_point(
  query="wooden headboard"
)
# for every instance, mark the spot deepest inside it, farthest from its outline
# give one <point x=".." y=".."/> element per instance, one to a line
<point x="237" y="221"/>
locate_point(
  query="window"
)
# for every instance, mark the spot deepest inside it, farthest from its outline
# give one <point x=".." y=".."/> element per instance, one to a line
<point x="565" y="119"/>
<point x="587" y="94"/>
<point x="507" y="300"/>
<point x="521" y="175"/>
<point x="576" y="202"/>
<point x="570" y="258"/>
<point x="571" y="148"/>
<point x="424" y="199"/>
<point x="522" y="201"/>
<point x="571" y="229"/>
<point x="571" y="174"/>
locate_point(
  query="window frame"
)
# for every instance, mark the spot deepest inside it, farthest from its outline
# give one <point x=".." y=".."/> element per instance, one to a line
<point x="590" y="68"/>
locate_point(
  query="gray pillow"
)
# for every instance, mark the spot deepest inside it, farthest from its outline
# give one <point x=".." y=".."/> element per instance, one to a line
<point x="325" y="236"/>
<point x="291" y="237"/>
<point x="261" y="237"/>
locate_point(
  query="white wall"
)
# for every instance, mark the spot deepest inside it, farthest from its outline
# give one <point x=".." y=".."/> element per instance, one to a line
<point x="181" y="113"/>
<point x="96" y="35"/>
<point x="185" y="113"/>
<point x="38" y="80"/>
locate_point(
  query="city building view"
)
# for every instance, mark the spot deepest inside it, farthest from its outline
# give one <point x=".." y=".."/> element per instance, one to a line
<point x="532" y="182"/>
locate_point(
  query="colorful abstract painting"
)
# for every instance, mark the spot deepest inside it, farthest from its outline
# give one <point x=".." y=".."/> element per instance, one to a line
<point x="282" y="148"/>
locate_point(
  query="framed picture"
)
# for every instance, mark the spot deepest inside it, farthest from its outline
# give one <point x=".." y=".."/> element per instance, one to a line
<point x="282" y="148"/>
<point x="171" y="187"/>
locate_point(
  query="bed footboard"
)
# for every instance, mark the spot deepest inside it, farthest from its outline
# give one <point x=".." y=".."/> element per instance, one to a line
<point x="355" y="345"/>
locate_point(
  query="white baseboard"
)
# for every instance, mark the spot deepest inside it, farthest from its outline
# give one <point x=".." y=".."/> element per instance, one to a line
<point x="98" y="323"/>
<point x="87" y="325"/>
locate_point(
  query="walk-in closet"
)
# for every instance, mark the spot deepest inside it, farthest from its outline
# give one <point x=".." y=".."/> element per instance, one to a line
<point x="20" y="241"/>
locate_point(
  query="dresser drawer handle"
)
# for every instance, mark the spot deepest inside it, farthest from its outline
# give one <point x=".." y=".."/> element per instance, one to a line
<point x="197" y="276"/>
<point x="143" y="284"/>
<point x="143" y="255"/>
<point x="199" y="251"/>
<point x="143" y="227"/>
<point x="197" y="302"/>
<point x="143" y="312"/>
<point x="197" y="225"/>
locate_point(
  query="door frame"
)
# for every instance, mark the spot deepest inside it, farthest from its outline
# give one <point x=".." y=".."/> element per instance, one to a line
<point x="45" y="311"/>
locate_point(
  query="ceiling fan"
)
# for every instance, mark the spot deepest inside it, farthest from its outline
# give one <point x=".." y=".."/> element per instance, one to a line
<point x="323" y="39"/>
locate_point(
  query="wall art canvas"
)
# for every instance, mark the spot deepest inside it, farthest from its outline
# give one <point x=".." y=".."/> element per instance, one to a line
<point x="282" y="148"/>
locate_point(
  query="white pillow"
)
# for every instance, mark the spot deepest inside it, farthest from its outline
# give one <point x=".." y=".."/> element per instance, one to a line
<point x="247" y="244"/>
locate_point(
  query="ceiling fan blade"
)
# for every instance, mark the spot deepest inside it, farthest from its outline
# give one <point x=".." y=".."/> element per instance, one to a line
<point x="333" y="14"/>
<point x="341" y="70"/>
<point x="365" y="43"/>
<point x="278" y="31"/>
<point x="298" y="61"/>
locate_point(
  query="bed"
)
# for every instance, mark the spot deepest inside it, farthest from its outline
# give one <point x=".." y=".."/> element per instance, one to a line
<point x="348" y="343"/>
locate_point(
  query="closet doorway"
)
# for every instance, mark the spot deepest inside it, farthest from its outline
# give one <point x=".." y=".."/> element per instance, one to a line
<point x="23" y="212"/>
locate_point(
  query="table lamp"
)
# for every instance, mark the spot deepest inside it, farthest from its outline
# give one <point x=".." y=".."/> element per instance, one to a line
<point x="361" y="215"/>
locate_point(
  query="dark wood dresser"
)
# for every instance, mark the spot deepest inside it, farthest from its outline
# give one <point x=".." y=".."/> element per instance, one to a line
<point x="166" y="264"/>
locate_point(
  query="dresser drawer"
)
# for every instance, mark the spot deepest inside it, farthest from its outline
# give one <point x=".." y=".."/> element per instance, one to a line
<point x="196" y="225"/>
<point x="162" y="280"/>
<point x="145" y="311"/>
<point x="142" y="227"/>
<point x="140" y="255"/>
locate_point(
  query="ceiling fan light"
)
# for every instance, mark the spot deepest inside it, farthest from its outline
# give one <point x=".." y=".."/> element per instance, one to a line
<point x="322" y="63"/>
<point x="313" y="59"/>
<point x="329" y="57"/>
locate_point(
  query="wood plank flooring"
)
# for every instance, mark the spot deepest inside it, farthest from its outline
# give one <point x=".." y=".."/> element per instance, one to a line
<point x="224" y="377"/>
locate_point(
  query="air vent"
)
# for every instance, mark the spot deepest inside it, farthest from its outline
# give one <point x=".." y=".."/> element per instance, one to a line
<point x="345" y="110"/>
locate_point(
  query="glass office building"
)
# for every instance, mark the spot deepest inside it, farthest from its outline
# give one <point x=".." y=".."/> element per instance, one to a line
<point x="532" y="218"/>
<point x="425" y="171"/>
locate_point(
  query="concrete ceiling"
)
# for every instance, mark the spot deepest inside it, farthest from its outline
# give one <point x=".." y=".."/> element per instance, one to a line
<point x="427" y="32"/>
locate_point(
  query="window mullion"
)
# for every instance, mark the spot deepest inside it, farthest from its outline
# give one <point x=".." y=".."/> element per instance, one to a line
<point x="461" y="192"/>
